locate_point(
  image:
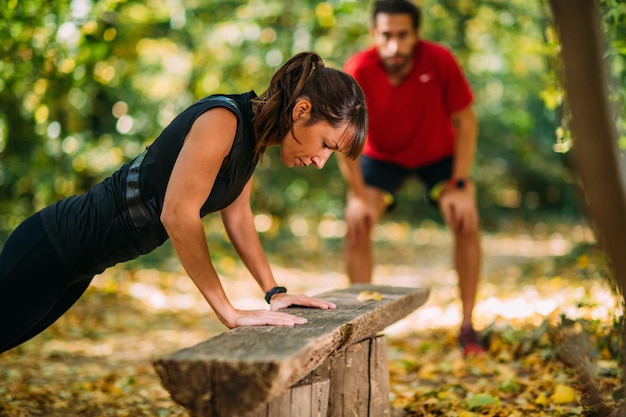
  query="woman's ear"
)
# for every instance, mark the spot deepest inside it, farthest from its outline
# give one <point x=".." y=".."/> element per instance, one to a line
<point x="302" y="109"/>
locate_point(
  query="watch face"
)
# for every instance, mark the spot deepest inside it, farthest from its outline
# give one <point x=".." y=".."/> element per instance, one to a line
<point x="460" y="184"/>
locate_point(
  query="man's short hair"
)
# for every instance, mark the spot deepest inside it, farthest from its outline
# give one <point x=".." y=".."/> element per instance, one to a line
<point x="397" y="7"/>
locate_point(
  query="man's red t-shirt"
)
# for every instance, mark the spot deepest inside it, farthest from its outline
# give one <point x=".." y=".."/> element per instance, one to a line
<point x="410" y="124"/>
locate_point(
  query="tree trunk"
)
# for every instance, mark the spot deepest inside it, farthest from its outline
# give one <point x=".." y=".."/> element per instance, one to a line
<point x="596" y="153"/>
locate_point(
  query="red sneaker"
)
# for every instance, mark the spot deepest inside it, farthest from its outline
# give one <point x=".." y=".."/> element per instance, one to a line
<point x="470" y="343"/>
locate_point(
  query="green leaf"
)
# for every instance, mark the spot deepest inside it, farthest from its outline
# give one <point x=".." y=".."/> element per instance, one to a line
<point x="481" y="400"/>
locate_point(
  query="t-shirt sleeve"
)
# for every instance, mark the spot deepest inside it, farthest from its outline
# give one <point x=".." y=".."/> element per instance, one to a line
<point x="457" y="91"/>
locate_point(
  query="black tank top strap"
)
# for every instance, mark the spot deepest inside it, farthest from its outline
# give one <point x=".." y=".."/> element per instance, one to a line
<point x="138" y="212"/>
<point x="232" y="104"/>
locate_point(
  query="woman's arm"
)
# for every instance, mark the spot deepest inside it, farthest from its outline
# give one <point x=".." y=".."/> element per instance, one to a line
<point x="238" y="220"/>
<point x="193" y="176"/>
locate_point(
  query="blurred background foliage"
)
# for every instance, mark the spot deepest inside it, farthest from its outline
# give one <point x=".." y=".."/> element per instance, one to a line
<point x="85" y="86"/>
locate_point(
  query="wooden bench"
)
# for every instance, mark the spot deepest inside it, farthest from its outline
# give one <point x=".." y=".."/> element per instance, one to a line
<point x="333" y="366"/>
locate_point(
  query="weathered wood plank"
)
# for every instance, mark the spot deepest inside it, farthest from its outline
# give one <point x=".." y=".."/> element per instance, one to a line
<point x="348" y="372"/>
<point x="240" y="370"/>
<point x="308" y="398"/>
<point x="359" y="379"/>
<point x="379" y="378"/>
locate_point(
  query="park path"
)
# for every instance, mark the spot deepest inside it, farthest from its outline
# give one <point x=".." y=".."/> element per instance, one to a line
<point x="505" y="288"/>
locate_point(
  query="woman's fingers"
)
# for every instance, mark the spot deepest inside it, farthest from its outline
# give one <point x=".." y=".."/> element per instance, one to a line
<point x="266" y="317"/>
<point x="278" y="318"/>
<point x="285" y="300"/>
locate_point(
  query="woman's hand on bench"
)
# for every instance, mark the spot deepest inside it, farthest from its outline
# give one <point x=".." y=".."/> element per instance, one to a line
<point x="272" y="317"/>
<point x="284" y="300"/>
<point x="264" y="317"/>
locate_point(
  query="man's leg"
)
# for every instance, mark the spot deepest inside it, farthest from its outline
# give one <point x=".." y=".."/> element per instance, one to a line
<point x="468" y="260"/>
<point x="460" y="211"/>
<point x="358" y="254"/>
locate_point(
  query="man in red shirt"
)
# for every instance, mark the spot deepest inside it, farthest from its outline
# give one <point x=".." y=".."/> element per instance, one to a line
<point x="421" y="122"/>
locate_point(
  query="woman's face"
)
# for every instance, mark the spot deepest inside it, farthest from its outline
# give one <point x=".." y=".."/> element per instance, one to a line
<point x="313" y="144"/>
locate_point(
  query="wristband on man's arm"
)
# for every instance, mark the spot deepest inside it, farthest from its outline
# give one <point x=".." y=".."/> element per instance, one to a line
<point x="273" y="292"/>
<point x="458" y="183"/>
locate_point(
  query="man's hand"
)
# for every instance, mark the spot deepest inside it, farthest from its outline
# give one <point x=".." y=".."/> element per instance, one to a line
<point x="360" y="219"/>
<point x="458" y="208"/>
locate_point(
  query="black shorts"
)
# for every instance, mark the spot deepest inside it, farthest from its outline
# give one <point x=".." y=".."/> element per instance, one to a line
<point x="390" y="177"/>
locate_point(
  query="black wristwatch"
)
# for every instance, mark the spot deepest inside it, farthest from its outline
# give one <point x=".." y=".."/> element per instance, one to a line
<point x="459" y="183"/>
<point x="273" y="292"/>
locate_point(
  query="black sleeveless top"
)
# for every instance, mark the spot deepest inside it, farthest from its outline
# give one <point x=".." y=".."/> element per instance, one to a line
<point x="119" y="218"/>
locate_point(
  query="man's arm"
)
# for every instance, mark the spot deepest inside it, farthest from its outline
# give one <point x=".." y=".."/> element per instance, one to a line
<point x="458" y="207"/>
<point x="466" y="126"/>
<point x="351" y="172"/>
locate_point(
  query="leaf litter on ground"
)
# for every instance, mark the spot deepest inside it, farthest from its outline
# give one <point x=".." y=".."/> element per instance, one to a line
<point x="95" y="361"/>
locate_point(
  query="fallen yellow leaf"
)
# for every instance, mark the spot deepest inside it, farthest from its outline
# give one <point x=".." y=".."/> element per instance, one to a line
<point x="541" y="400"/>
<point x="564" y="394"/>
<point x="446" y="396"/>
<point x="583" y="261"/>
<point x="369" y="296"/>
<point x="458" y="367"/>
<point x="428" y="371"/>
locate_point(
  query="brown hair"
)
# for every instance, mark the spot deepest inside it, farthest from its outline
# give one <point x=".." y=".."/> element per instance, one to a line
<point x="397" y="7"/>
<point x="335" y="97"/>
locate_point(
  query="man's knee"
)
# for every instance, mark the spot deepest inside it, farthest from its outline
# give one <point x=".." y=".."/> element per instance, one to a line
<point x="463" y="236"/>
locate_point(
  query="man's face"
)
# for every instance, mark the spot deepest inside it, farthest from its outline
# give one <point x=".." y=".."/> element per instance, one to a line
<point x="394" y="37"/>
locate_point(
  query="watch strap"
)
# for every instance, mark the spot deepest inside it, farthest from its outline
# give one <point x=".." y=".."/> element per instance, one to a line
<point x="276" y="290"/>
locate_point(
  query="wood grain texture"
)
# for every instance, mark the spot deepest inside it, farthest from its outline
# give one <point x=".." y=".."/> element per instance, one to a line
<point x="359" y="379"/>
<point x="240" y="370"/>
<point x="308" y="398"/>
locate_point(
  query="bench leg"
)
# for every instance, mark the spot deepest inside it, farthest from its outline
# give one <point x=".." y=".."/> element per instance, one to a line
<point x="359" y="380"/>
<point x="307" y="398"/>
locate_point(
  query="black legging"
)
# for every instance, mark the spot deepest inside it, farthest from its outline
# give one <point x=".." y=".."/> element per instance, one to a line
<point x="36" y="286"/>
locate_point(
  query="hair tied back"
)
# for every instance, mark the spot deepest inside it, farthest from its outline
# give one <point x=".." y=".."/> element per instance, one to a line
<point x="316" y="62"/>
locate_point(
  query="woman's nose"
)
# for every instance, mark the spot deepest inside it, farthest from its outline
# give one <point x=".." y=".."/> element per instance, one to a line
<point x="320" y="160"/>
